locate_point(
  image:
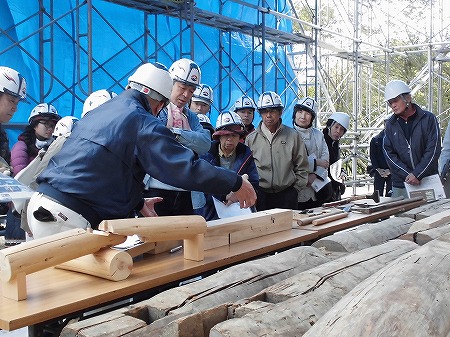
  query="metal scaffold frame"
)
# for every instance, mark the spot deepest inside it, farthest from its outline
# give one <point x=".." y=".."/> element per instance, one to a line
<point x="190" y="21"/>
<point x="315" y="51"/>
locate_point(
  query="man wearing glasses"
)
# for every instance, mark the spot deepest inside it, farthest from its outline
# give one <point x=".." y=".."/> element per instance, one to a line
<point x="412" y="141"/>
<point x="187" y="129"/>
<point x="98" y="173"/>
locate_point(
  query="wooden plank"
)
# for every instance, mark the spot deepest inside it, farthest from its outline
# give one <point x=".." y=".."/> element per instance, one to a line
<point x="433" y="210"/>
<point x="116" y="327"/>
<point x="246" y="222"/>
<point x="215" y="240"/>
<point x="385" y="206"/>
<point x="355" y="218"/>
<point x="239" y="228"/>
<point x="279" y="221"/>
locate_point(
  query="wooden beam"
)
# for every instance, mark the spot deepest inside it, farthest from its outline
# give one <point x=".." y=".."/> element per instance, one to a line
<point x="154" y="229"/>
<point x="29" y="257"/>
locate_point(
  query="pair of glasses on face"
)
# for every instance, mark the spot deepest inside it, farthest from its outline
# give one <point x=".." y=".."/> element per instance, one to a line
<point x="48" y="124"/>
<point x="393" y="100"/>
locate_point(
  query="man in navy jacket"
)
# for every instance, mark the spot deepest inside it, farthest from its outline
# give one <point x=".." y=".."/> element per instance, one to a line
<point x="412" y="141"/>
<point x="98" y="173"/>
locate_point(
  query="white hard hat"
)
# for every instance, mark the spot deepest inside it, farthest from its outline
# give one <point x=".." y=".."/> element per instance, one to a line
<point x="203" y="93"/>
<point x="308" y="104"/>
<point x="228" y="118"/>
<point x="203" y="118"/>
<point x="152" y="79"/>
<point x="43" y="111"/>
<point x="64" y="126"/>
<point x="395" y="88"/>
<point x="12" y="83"/>
<point x="206" y="123"/>
<point x="269" y="99"/>
<point x="341" y="118"/>
<point x="244" y="102"/>
<point x="186" y="71"/>
<point x="96" y="99"/>
<point x="229" y="122"/>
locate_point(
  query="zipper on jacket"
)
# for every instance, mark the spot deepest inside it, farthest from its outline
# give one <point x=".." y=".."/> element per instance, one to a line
<point x="410" y="153"/>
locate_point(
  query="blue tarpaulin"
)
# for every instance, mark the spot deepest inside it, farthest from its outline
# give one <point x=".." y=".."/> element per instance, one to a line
<point x="51" y="51"/>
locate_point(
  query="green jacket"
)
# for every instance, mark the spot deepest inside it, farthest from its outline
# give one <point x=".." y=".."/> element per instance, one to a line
<point x="282" y="163"/>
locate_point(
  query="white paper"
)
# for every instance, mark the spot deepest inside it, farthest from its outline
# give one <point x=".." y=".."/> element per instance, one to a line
<point x="130" y="242"/>
<point x="430" y="188"/>
<point x="317" y="184"/>
<point x="224" y="211"/>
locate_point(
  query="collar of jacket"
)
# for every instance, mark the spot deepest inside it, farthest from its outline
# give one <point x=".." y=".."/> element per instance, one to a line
<point x="142" y="99"/>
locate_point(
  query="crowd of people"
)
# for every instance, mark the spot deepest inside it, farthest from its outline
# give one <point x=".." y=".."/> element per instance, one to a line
<point x="153" y="150"/>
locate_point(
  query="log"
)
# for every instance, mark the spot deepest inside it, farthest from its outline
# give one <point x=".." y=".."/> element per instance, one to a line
<point x="409" y="297"/>
<point x="35" y="255"/>
<point x="433" y="221"/>
<point x="110" y="324"/>
<point x="292" y="306"/>
<point x="107" y="263"/>
<point x="205" y="303"/>
<point x="426" y="236"/>
<point x="431" y="208"/>
<point x="119" y="326"/>
<point x="364" y="236"/>
<point x="154" y="229"/>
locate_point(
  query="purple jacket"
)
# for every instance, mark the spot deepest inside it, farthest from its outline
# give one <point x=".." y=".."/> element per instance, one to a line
<point x="19" y="157"/>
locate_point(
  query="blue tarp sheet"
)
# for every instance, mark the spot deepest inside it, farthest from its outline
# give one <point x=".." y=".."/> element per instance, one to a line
<point x="119" y="47"/>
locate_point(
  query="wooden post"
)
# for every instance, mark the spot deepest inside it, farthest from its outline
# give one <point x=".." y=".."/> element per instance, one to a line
<point x="16" y="288"/>
<point x="194" y="248"/>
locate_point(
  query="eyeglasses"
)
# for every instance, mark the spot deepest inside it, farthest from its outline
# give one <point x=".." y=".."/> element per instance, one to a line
<point x="48" y="124"/>
<point x="393" y="100"/>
